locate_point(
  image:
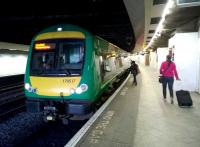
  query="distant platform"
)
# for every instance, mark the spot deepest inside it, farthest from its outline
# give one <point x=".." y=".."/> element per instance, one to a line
<point x="10" y="75"/>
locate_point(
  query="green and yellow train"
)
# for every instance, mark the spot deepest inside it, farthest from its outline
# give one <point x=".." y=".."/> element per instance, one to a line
<point x="68" y="69"/>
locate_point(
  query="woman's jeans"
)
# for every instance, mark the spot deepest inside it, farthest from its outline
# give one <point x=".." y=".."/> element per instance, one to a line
<point x="170" y="82"/>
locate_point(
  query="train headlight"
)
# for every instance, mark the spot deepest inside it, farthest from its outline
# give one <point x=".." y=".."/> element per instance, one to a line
<point x="27" y="86"/>
<point x="84" y="87"/>
<point x="72" y="91"/>
<point x="79" y="90"/>
<point x="59" y="29"/>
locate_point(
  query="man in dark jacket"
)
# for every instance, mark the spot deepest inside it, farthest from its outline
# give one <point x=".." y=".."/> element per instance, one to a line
<point x="134" y="70"/>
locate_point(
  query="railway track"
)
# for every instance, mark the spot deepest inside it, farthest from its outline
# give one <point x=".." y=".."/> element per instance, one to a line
<point x="12" y="98"/>
<point x="12" y="108"/>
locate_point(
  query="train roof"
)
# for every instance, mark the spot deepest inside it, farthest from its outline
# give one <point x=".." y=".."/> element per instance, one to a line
<point x="65" y="27"/>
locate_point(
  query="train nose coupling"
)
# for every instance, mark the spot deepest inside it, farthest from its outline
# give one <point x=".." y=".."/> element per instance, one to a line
<point x="49" y="113"/>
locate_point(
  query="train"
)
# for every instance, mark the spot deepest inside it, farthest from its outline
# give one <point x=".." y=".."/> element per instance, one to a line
<point x="68" y="69"/>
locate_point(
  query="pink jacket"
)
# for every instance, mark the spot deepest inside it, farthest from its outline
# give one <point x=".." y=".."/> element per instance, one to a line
<point x="168" y="72"/>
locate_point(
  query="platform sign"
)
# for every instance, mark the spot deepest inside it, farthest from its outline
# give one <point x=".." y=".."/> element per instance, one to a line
<point x="188" y="3"/>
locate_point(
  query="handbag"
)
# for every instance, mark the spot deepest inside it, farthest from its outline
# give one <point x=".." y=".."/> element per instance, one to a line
<point x="161" y="79"/>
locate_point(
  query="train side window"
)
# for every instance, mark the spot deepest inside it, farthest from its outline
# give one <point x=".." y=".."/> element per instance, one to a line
<point x="107" y="66"/>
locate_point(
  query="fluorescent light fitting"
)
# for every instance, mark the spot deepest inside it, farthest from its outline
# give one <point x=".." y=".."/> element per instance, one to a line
<point x="159" y="28"/>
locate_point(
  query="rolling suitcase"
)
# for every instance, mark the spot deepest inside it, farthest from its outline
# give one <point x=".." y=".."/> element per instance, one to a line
<point x="184" y="98"/>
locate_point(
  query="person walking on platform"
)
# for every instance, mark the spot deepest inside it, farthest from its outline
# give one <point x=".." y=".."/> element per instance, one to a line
<point x="168" y="70"/>
<point x="134" y="70"/>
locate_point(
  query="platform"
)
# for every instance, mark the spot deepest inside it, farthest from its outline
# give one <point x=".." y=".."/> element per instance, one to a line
<point x="138" y="117"/>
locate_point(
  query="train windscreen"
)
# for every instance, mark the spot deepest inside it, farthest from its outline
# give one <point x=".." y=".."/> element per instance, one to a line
<point x="57" y="57"/>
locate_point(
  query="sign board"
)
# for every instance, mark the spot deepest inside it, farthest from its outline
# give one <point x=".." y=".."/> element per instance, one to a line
<point x="188" y="3"/>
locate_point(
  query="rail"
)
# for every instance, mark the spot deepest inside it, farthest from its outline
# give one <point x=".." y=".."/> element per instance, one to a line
<point x="12" y="98"/>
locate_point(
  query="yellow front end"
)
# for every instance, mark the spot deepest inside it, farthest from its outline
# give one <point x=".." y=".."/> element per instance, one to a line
<point x="54" y="86"/>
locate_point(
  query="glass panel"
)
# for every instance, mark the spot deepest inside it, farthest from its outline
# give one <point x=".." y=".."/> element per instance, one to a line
<point x="65" y="57"/>
<point x="43" y="61"/>
<point x="71" y="55"/>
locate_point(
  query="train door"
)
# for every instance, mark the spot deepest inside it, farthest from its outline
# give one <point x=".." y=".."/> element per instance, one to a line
<point x="101" y="65"/>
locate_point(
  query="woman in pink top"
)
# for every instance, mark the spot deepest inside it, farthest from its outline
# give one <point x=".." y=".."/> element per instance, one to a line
<point x="168" y="70"/>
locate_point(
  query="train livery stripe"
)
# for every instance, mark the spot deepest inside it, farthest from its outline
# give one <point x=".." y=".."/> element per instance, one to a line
<point x="63" y="34"/>
<point x="54" y="86"/>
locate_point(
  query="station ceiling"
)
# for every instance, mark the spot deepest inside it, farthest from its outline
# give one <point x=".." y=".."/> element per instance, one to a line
<point x="181" y="18"/>
<point x="106" y="18"/>
<point x="129" y="24"/>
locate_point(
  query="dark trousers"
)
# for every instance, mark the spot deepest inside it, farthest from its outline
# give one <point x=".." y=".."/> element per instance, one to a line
<point x="170" y="82"/>
<point x="134" y="79"/>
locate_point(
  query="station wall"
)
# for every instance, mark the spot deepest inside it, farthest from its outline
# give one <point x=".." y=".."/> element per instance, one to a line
<point x="12" y="64"/>
<point x="161" y="53"/>
<point x="12" y="58"/>
<point x="186" y="56"/>
<point x="153" y="60"/>
<point x="199" y="57"/>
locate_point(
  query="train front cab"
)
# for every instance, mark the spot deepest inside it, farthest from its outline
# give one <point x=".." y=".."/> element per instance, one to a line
<point x="53" y="81"/>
